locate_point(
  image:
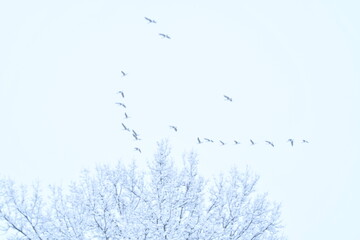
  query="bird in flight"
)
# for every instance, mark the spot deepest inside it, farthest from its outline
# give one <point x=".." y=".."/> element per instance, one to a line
<point x="222" y="143"/>
<point x="236" y="142"/>
<point x="136" y="137"/>
<point x="164" y="35"/>
<point x="228" y="98"/>
<point x="270" y="143"/>
<point x="173" y="127"/>
<point x="134" y="133"/>
<point x="252" y="142"/>
<point x="150" y="20"/>
<point x="137" y="149"/>
<point x="123" y="73"/>
<point x="121" y="104"/>
<point x="208" y="140"/>
<point x="291" y="141"/>
<point x="122" y="93"/>
<point x="126" y="116"/>
<point x="125" y="128"/>
<point x="305" y="141"/>
<point x="199" y="141"/>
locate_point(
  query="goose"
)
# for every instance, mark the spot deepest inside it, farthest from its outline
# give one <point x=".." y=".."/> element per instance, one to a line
<point x="121" y="104"/>
<point x="136" y="137"/>
<point x="173" y="127"/>
<point x="236" y="142"/>
<point x="164" y="35"/>
<point x="134" y="133"/>
<point x="137" y="149"/>
<point x="270" y="143"/>
<point x="150" y="20"/>
<point x="126" y="116"/>
<point x="199" y="141"/>
<point x="122" y="93"/>
<point x="222" y="143"/>
<point x="228" y="98"/>
<point x="291" y="141"/>
<point x="125" y="128"/>
<point x="252" y="142"/>
<point x="208" y="140"/>
<point x="123" y="73"/>
<point x="305" y="141"/>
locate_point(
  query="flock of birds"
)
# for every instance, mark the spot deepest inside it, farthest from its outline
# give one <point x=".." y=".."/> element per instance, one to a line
<point x="252" y="142"/>
<point x="134" y="134"/>
<point x="126" y="116"/>
<point x="136" y="137"/>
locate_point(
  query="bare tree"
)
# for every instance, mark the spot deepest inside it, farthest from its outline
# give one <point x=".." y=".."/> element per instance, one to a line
<point x="162" y="203"/>
<point x="237" y="213"/>
<point x="21" y="211"/>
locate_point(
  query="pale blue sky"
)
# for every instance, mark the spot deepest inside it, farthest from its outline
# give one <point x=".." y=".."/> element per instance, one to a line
<point x="291" y="67"/>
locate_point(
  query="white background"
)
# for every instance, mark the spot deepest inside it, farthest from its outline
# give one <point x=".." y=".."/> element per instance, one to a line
<point x="291" y="67"/>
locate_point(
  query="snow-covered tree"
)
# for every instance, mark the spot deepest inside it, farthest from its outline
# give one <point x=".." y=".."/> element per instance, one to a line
<point x="162" y="203"/>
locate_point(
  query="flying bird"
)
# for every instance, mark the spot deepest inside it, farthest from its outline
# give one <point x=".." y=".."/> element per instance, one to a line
<point x="126" y="116"/>
<point x="236" y="142"/>
<point x="136" y="137"/>
<point x="137" y="149"/>
<point x="305" y="141"/>
<point x="123" y="73"/>
<point x="252" y="142"/>
<point x="164" y="35"/>
<point x="121" y="104"/>
<point x="222" y="143"/>
<point x="134" y="133"/>
<point x="122" y="93"/>
<point x="270" y="143"/>
<point x="150" y="20"/>
<point x="125" y="128"/>
<point x="291" y="141"/>
<point x="228" y="98"/>
<point x="208" y="140"/>
<point x="199" y="141"/>
<point x="173" y="127"/>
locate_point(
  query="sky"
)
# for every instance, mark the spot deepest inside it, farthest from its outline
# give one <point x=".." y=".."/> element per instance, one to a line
<point x="291" y="68"/>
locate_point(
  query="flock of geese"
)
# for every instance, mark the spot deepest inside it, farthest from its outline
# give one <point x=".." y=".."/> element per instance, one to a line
<point x="134" y="134"/>
<point x="252" y="142"/>
<point x="136" y="137"/>
<point x="126" y="116"/>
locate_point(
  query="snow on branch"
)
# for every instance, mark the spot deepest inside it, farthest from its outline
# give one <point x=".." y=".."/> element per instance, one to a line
<point x="119" y="203"/>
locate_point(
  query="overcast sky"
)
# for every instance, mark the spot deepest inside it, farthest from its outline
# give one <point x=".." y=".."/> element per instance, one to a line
<point x="292" y="69"/>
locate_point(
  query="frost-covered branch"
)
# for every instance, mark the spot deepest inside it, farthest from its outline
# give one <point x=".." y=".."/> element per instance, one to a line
<point x="163" y="203"/>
